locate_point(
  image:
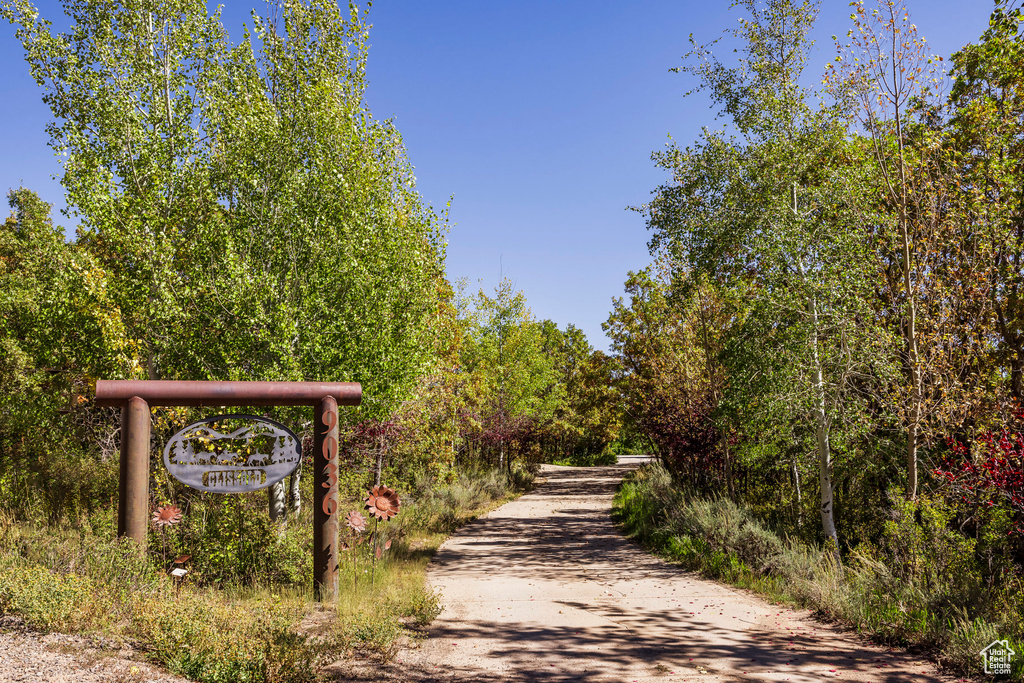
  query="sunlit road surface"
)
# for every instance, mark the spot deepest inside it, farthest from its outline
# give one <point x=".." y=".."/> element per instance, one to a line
<point x="545" y="588"/>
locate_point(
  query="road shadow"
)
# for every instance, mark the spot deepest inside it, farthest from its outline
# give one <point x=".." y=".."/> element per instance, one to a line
<point x="562" y="532"/>
<point x="576" y="535"/>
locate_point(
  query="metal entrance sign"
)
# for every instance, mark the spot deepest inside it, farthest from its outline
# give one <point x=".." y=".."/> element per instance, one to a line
<point x="232" y="453"/>
<point x="135" y="397"/>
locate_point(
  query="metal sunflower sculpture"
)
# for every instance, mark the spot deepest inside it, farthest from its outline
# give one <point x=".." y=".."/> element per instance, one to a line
<point x="356" y="524"/>
<point x="383" y="504"/>
<point x="355" y="521"/>
<point x="165" y="516"/>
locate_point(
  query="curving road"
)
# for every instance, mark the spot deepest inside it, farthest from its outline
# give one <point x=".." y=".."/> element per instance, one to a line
<point x="546" y="589"/>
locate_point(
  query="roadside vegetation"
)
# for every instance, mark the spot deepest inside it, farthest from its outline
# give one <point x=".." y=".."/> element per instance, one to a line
<point x="920" y="584"/>
<point x="245" y="611"/>
<point x="243" y="216"/>
<point x="826" y="350"/>
<point x="826" y="354"/>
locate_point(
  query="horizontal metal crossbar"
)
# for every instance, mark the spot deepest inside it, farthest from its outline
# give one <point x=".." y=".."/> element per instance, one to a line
<point x="213" y="393"/>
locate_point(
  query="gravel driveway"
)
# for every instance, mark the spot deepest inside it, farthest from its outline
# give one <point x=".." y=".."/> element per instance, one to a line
<point x="30" y="657"/>
<point x="546" y="589"/>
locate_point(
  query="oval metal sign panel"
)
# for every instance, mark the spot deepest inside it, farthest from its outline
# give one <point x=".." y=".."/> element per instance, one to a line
<point x="232" y="453"/>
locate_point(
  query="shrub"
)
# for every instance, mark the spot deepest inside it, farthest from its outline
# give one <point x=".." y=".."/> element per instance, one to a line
<point x="47" y="600"/>
<point x="425" y="606"/>
<point x="922" y="553"/>
<point x="377" y="631"/>
<point x="759" y="548"/>
<point x="442" y="507"/>
<point x="232" y="540"/>
<point x="209" y="639"/>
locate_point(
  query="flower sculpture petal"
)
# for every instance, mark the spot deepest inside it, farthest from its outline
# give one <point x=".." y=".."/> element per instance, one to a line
<point x="383" y="503"/>
<point x="355" y="521"/>
<point x="166" y="516"/>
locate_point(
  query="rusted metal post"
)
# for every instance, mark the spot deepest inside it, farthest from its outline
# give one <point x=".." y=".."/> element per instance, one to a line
<point x="325" y="510"/>
<point x="133" y="487"/>
<point x="169" y="392"/>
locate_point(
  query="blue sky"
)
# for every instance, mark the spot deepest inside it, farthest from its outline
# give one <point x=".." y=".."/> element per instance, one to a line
<point x="538" y="117"/>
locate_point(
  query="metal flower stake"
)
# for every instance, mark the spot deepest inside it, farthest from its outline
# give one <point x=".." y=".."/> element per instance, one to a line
<point x="382" y="503"/>
<point x="164" y="517"/>
<point x="356" y="524"/>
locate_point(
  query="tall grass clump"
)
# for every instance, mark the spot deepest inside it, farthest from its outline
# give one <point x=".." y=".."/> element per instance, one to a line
<point x="442" y="507"/>
<point x="921" y="583"/>
<point x="60" y="579"/>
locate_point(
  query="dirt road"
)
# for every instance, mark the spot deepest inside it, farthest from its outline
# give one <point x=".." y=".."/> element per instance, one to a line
<point x="546" y="589"/>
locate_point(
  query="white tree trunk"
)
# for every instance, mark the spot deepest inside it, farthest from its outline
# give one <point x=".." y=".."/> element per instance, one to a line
<point x="295" y="498"/>
<point x="821" y="432"/>
<point x="276" y="494"/>
<point x="796" y="485"/>
<point x="821" y="421"/>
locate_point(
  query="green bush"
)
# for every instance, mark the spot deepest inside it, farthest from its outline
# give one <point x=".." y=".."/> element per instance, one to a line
<point x="719" y="524"/>
<point x="759" y="548"/>
<point x="443" y="507"/>
<point x="425" y="606"/>
<point x="45" y="599"/>
<point x="921" y="549"/>
<point x="233" y="541"/>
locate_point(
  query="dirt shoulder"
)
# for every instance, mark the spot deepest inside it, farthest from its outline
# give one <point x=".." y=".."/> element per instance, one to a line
<point x="545" y="588"/>
<point x="32" y="657"/>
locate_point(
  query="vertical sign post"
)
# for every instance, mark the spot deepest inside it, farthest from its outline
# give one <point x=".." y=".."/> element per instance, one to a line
<point x="133" y="485"/>
<point x="325" y="506"/>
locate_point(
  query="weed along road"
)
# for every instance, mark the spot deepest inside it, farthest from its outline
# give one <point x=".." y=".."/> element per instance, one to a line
<point x="545" y="588"/>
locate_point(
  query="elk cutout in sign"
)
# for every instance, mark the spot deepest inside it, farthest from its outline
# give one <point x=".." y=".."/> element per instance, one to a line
<point x="232" y="453"/>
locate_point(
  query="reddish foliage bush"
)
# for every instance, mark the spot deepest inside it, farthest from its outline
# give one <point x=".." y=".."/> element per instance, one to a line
<point x="994" y="475"/>
<point x="679" y="423"/>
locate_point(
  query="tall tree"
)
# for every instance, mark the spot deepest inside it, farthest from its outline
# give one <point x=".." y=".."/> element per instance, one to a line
<point x="987" y="100"/>
<point x="767" y="215"/>
<point x="516" y="382"/>
<point x="59" y="331"/>
<point x="668" y="393"/>
<point x="256" y="222"/>
<point x="586" y="419"/>
<point x="126" y="88"/>
<point x="887" y="71"/>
